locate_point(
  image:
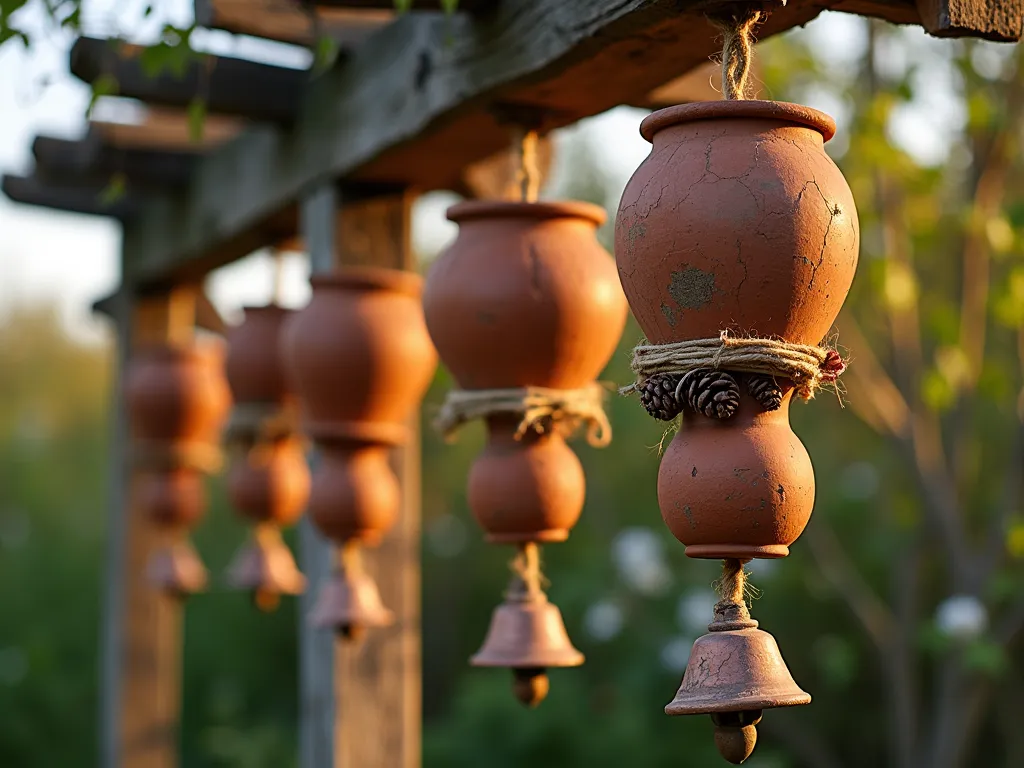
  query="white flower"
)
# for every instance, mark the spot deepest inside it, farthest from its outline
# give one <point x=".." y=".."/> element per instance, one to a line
<point x="603" y="620"/>
<point x="961" y="617"/>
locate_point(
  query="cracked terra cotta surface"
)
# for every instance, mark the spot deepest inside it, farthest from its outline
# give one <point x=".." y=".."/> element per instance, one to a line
<point x="737" y="220"/>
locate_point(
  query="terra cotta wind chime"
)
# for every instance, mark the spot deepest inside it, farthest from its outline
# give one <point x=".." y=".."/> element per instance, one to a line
<point x="525" y="310"/>
<point x="736" y="242"/>
<point x="177" y="399"/>
<point x="268" y="482"/>
<point x="360" y="359"/>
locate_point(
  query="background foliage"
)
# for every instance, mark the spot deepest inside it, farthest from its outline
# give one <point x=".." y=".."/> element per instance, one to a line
<point x="900" y="610"/>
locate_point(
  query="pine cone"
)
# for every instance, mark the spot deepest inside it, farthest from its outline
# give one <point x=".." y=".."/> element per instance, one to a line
<point x="713" y="393"/>
<point x="658" y="396"/>
<point x="765" y="390"/>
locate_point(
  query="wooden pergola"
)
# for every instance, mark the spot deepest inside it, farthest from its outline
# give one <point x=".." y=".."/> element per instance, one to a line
<point x="415" y="102"/>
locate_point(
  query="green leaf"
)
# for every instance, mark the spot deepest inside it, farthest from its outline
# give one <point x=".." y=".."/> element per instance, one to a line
<point x="325" y="54"/>
<point x="403" y="5"/>
<point x="104" y="85"/>
<point x="449" y="6"/>
<point x="115" y="189"/>
<point x="196" y="119"/>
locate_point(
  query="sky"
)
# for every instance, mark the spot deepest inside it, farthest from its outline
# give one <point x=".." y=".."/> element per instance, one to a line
<point x="70" y="260"/>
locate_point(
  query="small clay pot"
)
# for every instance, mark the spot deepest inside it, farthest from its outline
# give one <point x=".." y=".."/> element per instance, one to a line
<point x="355" y="494"/>
<point x="270" y="483"/>
<point x="531" y="489"/>
<point x="737" y="220"/>
<point x="253" y="364"/>
<point x="177" y="394"/>
<point x="525" y="296"/>
<point x="359" y="353"/>
<point x="173" y="499"/>
<point x="741" y="488"/>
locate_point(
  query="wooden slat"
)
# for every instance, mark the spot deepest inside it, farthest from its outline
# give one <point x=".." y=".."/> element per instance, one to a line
<point x="228" y="86"/>
<point x="168" y="129"/>
<point x="287" y="21"/>
<point x="91" y="160"/>
<point x="464" y="6"/>
<point x="87" y="198"/>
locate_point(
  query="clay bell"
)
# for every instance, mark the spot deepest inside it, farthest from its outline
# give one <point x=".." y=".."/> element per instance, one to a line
<point x="350" y="601"/>
<point x="527" y="635"/>
<point x="734" y="672"/>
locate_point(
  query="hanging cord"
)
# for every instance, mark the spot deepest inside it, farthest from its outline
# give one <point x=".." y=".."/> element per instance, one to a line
<point x="737" y="48"/>
<point x="528" y="582"/>
<point x="731" y="611"/>
<point x="277" y="284"/>
<point x="528" y="171"/>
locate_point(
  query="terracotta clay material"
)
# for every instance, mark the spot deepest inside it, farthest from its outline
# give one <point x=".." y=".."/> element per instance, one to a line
<point x="530" y="489"/>
<point x="525" y="296"/>
<point x="737" y="220"/>
<point x="177" y="569"/>
<point x="173" y="499"/>
<point x="741" y="488"/>
<point x="359" y="352"/>
<point x="734" y="671"/>
<point x="177" y="394"/>
<point x="355" y="493"/>
<point x="265" y="565"/>
<point x="270" y="482"/>
<point x="253" y="363"/>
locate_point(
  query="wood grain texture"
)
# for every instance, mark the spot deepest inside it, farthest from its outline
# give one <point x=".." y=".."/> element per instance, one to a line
<point x="227" y="85"/>
<point x="360" y="704"/>
<point x="413" y="106"/>
<point x="143" y="672"/>
<point x="377" y="682"/>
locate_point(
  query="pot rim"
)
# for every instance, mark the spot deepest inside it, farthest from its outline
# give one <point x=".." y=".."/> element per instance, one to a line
<point x="782" y="111"/>
<point x="517" y="209"/>
<point x="369" y="279"/>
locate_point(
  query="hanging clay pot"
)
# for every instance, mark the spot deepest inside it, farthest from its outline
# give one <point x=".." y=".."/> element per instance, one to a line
<point x="253" y="364"/>
<point x="359" y="360"/>
<point x="269" y="479"/>
<point x="737" y="221"/>
<point x="177" y="399"/>
<point x="525" y="298"/>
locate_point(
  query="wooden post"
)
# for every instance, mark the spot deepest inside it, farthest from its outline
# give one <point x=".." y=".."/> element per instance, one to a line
<point x="375" y="711"/>
<point x="142" y="639"/>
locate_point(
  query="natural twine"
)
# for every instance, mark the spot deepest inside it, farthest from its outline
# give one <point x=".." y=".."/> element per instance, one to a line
<point x="731" y="611"/>
<point x="737" y="48"/>
<point x="542" y="410"/>
<point x="809" y="368"/>
<point x="528" y="581"/>
<point x="527" y="172"/>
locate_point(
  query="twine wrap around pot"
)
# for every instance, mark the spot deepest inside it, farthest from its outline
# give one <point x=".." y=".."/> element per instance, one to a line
<point x="542" y="410"/>
<point x="809" y="368"/>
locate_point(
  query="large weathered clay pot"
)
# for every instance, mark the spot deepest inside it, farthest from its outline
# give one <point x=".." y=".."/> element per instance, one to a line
<point x="359" y="353"/>
<point x="253" y="363"/>
<point x="741" y="489"/>
<point x="737" y="220"/>
<point x="531" y="489"/>
<point x="177" y="394"/>
<point x="525" y="296"/>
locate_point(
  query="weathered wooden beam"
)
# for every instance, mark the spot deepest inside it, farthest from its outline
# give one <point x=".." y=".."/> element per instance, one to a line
<point x="413" y="106"/>
<point x="90" y="199"/>
<point x="168" y="129"/>
<point x="466" y="6"/>
<point x="94" y="161"/>
<point x="288" y="21"/>
<point x="227" y="85"/>
<point x="993" y="19"/>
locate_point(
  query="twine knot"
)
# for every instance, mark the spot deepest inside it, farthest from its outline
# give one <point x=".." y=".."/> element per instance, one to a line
<point x="737" y="27"/>
<point x="541" y="409"/>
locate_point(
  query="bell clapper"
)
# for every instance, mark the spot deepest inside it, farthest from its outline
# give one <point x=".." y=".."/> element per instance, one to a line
<point x="530" y="685"/>
<point x="736" y="734"/>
